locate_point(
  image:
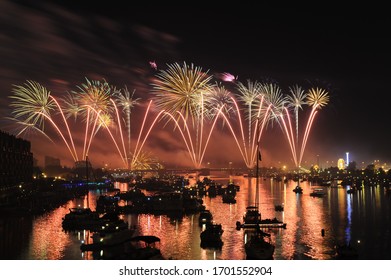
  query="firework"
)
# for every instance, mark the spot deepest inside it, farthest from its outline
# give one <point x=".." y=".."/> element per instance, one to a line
<point x="182" y="89"/>
<point x="248" y="95"/>
<point x="72" y="107"/>
<point x="144" y="161"/>
<point x="296" y="100"/>
<point x="273" y="95"/>
<point x="126" y="100"/>
<point x="153" y="65"/>
<point x="31" y="103"/>
<point x="220" y="97"/>
<point x="227" y="77"/>
<point x="196" y="150"/>
<point x="317" y="97"/>
<point x="93" y="95"/>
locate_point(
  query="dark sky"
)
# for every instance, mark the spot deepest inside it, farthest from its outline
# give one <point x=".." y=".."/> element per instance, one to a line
<point x="59" y="46"/>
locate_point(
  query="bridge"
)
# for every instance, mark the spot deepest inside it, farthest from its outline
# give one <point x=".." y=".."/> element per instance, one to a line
<point x="199" y="171"/>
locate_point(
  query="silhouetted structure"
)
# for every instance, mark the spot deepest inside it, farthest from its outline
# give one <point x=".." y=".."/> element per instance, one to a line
<point x="16" y="161"/>
<point x="81" y="168"/>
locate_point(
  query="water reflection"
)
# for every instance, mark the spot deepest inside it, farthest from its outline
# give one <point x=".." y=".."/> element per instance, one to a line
<point x="362" y="217"/>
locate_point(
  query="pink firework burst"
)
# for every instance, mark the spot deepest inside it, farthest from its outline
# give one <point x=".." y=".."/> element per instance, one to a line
<point x="227" y="77"/>
<point x="153" y="65"/>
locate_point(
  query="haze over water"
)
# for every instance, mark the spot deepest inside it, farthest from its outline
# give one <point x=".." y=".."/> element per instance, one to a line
<point x="363" y="219"/>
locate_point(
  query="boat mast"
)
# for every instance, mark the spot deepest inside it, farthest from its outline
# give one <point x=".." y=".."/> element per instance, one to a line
<point x="298" y="176"/>
<point x="88" y="191"/>
<point x="256" y="178"/>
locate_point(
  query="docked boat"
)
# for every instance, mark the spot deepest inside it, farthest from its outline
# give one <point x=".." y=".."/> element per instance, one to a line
<point x="298" y="189"/>
<point x="279" y="208"/>
<point x="346" y="252"/>
<point x="257" y="248"/>
<point x="211" y="236"/>
<point x="144" y="247"/>
<point x="229" y="198"/>
<point x="108" y="237"/>
<point x="271" y="223"/>
<point x="81" y="218"/>
<point x="251" y="217"/>
<point x="205" y="217"/>
<point x="318" y="192"/>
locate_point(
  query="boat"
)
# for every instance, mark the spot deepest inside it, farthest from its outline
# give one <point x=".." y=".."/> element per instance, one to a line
<point x="251" y="217"/>
<point x="318" y="192"/>
<point x="205" y="217"/>
<point x="271" y="223"/>
<point x="279" y="208"/>
<point x="211" y="236"/>
<point x="257" y="248"/>
<point x="81" y="218"/>
<point x="107" y="203"/>
<point x="144" y="247"/>
<point x="346" y="252"/>
<point x="298" y="189"/>
<point x="229" y="198"/>
<point x="108" y="237"/>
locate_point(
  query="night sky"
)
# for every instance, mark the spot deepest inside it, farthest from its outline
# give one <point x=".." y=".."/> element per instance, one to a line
<point x="59" y="46"/>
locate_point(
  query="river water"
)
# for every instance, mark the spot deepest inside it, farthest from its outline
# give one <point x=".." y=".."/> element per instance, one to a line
<point x="363" y="219"/>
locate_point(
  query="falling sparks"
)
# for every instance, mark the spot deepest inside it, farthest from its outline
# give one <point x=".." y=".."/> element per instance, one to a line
<point x="181" y="88"/>
<point x="316" y="98"/>
<point x="184" y="96"/>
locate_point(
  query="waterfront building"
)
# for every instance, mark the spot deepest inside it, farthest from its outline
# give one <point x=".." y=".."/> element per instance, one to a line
<point x="16" y="161"/>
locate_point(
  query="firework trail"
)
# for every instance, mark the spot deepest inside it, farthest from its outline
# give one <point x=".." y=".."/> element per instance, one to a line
<point x="248" y="95"/>
<point x="296" y="100"/>
<point x="183" y="91"/>
<point x="316" y="98"/>
<point x="126" y="100"/>
<point x="95" y="95"/>
<point x="33" y="104"/>
<point x="196" y="153"/>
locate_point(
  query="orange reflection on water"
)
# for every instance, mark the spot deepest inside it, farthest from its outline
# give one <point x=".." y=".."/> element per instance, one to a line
<point x="48" y="241"/>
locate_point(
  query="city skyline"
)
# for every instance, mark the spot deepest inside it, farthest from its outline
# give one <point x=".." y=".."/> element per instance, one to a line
<point x="59" y="46"/>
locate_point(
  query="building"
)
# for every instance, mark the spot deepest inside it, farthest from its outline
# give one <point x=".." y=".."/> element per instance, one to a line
<point x="16" y="161"/>
<point x="83" y="170"/>
<point x="53" y="166"/>
<point x="51" y="161"/>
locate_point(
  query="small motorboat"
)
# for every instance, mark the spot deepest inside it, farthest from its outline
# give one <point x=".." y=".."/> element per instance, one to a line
<point x="211" y="236"/>
<point x="298" y="189"/>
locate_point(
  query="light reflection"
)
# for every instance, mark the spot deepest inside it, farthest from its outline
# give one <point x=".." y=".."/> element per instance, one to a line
<point x="349" y="218"/>
<point x="341" y="216"/>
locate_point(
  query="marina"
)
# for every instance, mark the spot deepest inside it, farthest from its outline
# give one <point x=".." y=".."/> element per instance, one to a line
<point x="314" y="226"/>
